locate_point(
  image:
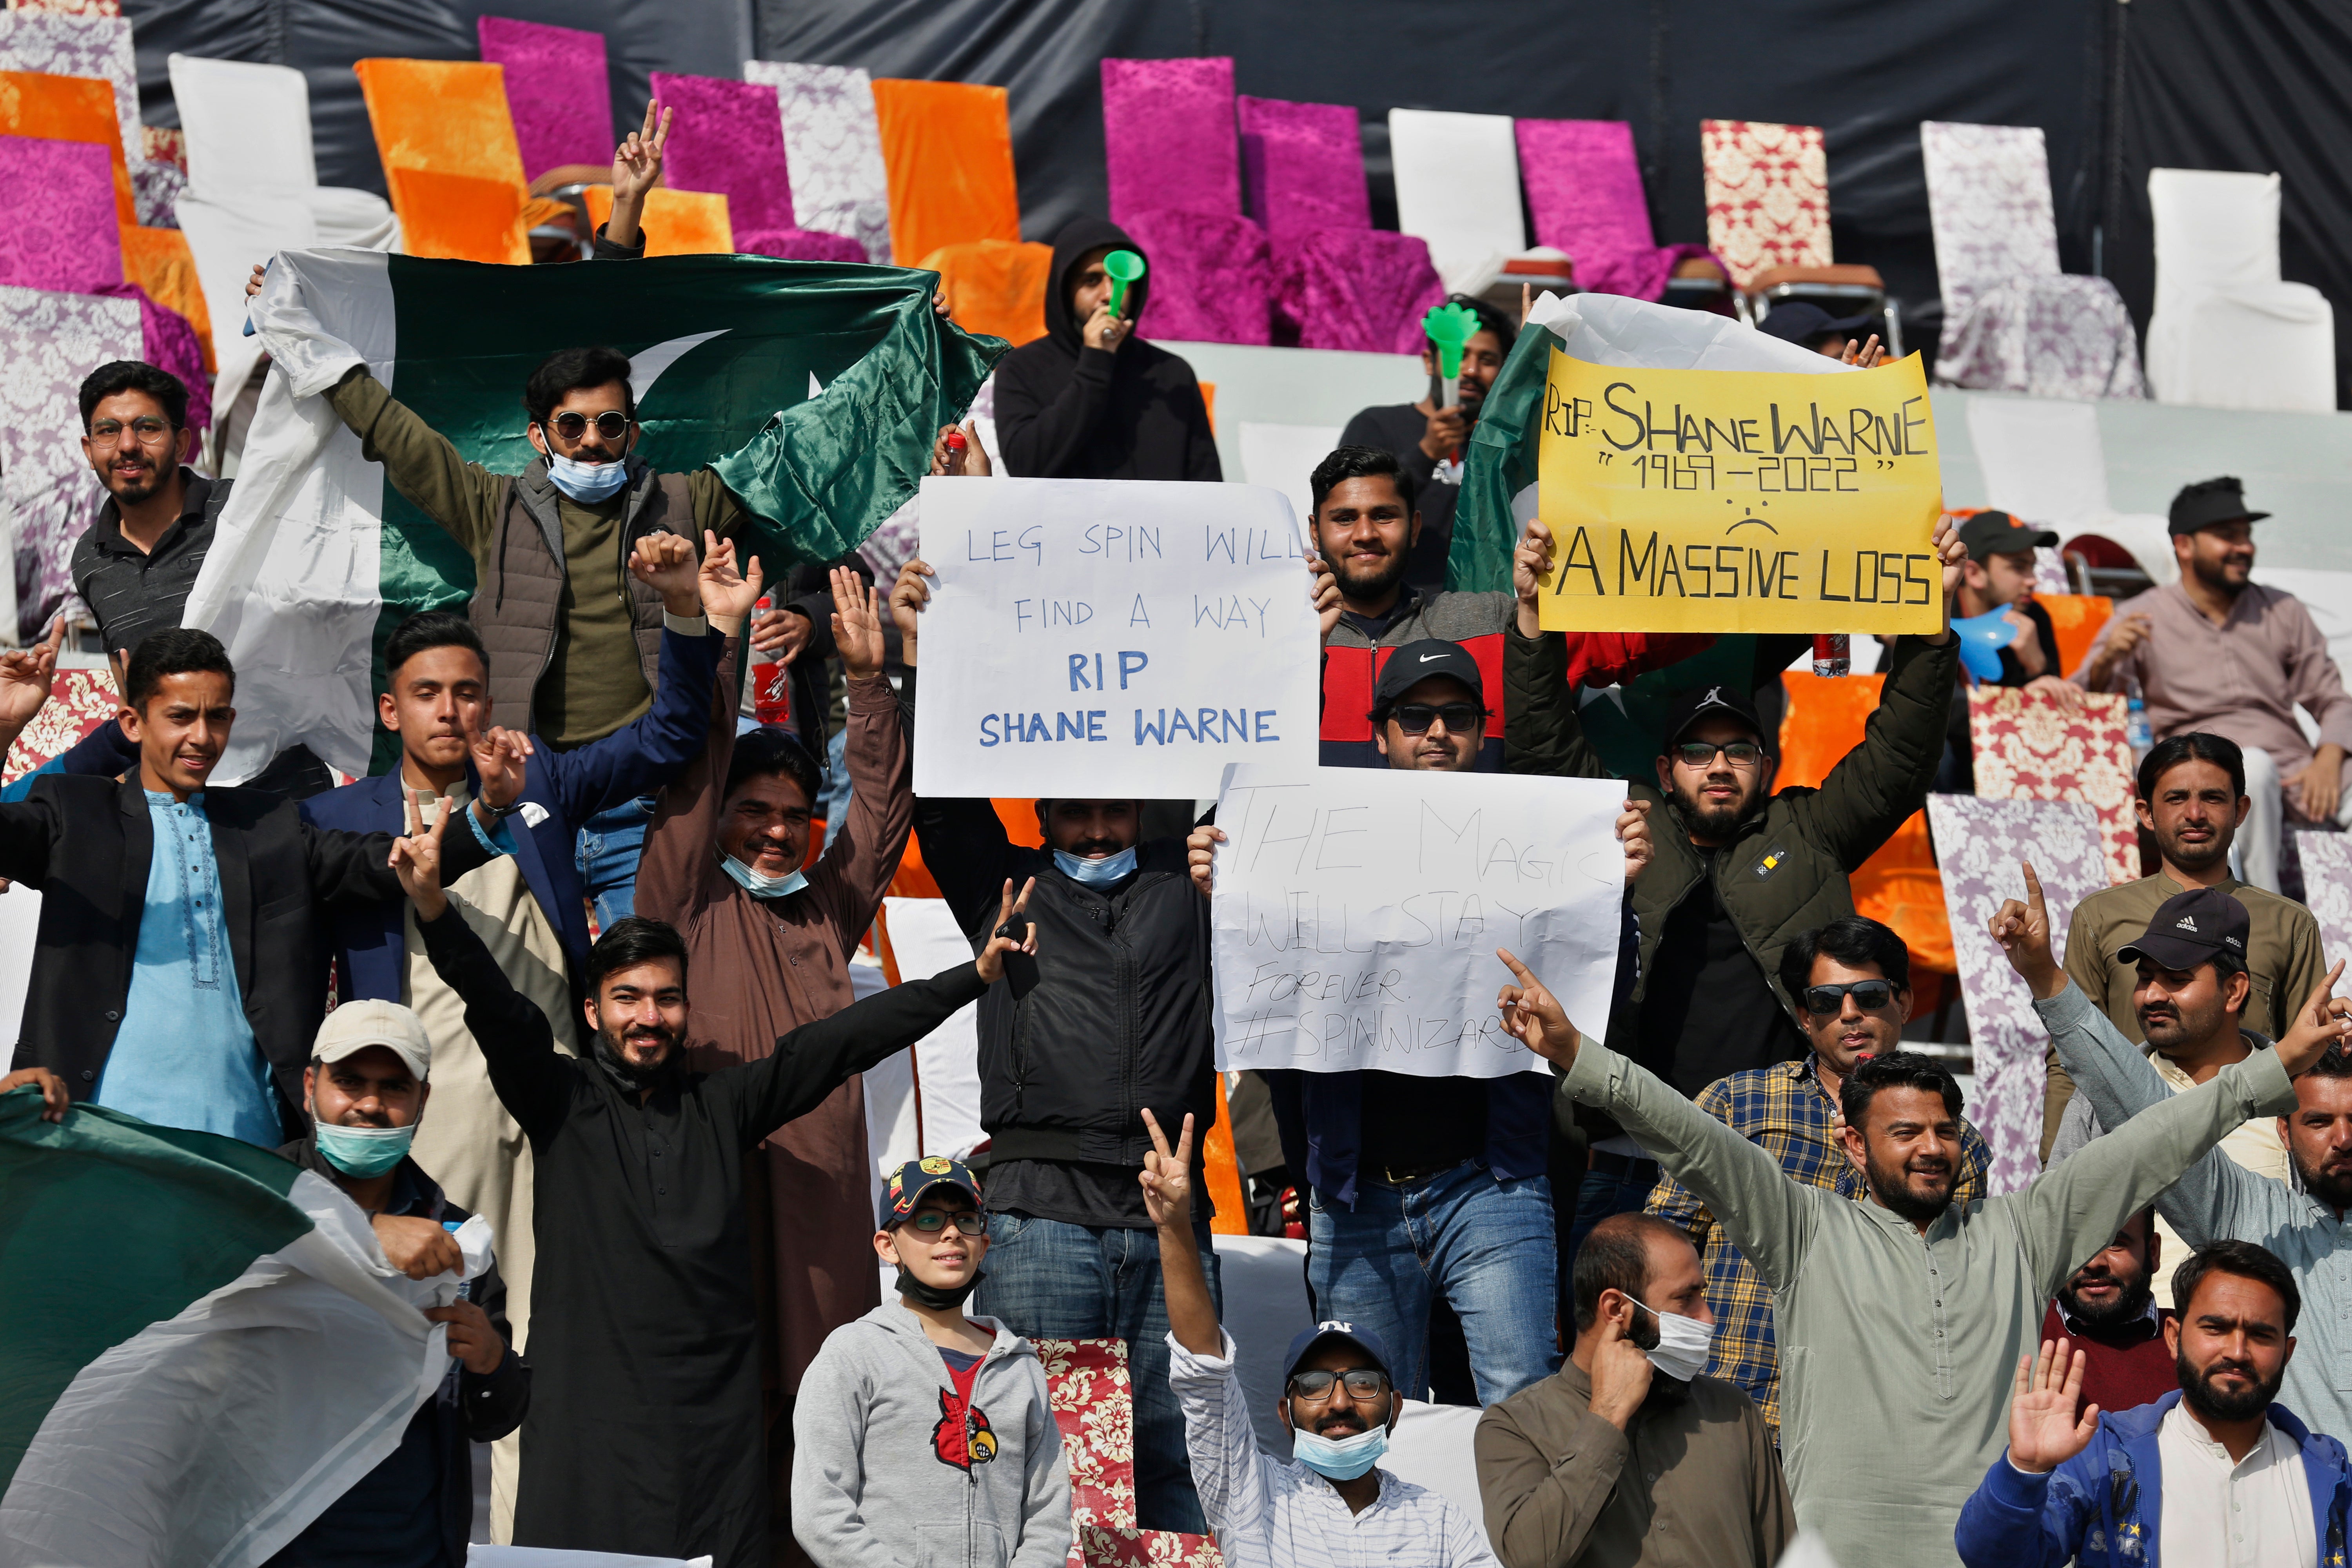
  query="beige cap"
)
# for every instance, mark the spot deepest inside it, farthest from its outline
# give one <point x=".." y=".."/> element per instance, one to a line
<point x="356" y="1025"/>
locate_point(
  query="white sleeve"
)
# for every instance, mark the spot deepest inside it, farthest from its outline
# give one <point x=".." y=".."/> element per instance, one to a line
<point x="1227" y="1469"/>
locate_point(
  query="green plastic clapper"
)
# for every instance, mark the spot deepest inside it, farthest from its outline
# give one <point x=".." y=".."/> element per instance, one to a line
<point x="1448" y="327"/>
<point x="1125" y="266"/>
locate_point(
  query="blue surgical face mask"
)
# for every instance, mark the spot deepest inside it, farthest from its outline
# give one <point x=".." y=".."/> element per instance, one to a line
<point x="759" y="884"/>
<point x="1100" y="873"/>
<point x="586" y="481"/>
<point x="1343" y="1458"/>
<point x="363" y="1151"/>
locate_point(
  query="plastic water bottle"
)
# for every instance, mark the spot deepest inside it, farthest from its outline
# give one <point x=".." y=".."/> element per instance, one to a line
<point x="957" y="449"/>
<point x="772" y="678"/>
<point x="1833" y="654"/>
<point x="2136" y="731"/>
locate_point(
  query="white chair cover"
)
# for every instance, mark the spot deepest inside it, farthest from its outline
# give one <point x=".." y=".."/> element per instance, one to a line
<point x="248" y="127"/>
<point x="1457" y="184"/>
<point x="226" y="238"/>
<point x="833" y="150"/>
<point x="2012" y="322"/>
<point x="2045" y="463"/>
<point x="2227" y="332"/>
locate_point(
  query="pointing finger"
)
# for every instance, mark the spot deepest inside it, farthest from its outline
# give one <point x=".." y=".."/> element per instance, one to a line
<point x="1518" y="971"/>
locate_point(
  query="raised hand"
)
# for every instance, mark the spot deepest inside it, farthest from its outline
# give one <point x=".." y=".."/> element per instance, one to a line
<point x="501" y="757"/>
<point x="26" y="676"/>
<point x="1533" y="1016"/>
<point x="727" y="595"/>
<point x="1529" y="561"/>
<point x="638" y="162"/>
<point x="665" y="563"/>
<point x="2044" y="1430"/>
<point x="415" y="859"/>
<point x="908" y="594"/>
<point x="1201" y="856"/>
<point x="856" y="623"/>
<point x="2023" y="932"/>
<point x="1013" y="933"/>
<point x="975" y="455"/>
<point x="1867" y="356"/>
<point x="1167" y="1176"/>
<point x="1326" y="595"/>
<point x="2323" y="1020"/>
<point x="1948" y="546"/>
<point x="1634" y="838"/>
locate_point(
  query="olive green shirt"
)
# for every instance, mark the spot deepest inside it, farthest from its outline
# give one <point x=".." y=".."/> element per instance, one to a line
<point x="596" y="682"/>
<point x="1898" y="1349"/>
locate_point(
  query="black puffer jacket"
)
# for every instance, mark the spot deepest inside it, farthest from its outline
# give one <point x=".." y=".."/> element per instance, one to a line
<point x="1118" y="1016"/>
<point x="1065" y="411"/>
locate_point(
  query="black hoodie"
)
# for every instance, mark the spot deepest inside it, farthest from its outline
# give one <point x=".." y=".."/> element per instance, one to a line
<point x="1065" y="411"/>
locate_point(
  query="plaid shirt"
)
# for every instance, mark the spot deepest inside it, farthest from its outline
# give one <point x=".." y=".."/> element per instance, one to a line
<point x="1784" y="1110"/>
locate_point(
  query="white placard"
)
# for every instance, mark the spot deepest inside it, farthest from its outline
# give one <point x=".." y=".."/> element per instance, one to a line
<point x="1358" y="911"/>
<point x="1094" y="638"/>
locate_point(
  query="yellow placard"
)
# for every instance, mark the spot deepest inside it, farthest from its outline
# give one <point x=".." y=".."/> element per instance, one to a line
<point x="1709" y="501"/>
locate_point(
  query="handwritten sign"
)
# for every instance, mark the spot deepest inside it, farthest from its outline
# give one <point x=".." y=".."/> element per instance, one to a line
<point x="1693" y="501"/>
<point x="1357" y="912"/>
<point x="1098" y="638"/>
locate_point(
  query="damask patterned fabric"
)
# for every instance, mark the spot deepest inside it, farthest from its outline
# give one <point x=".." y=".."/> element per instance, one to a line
<point x="1767" y="195"/>
<point x="833" y="147"/>
<point x="1584" y="187"/>
<point x="2012" y="322"/>
<point x="57" y="44"/>
<point x="2327" y="887"/>
<point x="556" y="90"/>
<point x="729" y="138"/>
<point x="2029" y="748"/>
<point x="799" y="245"/>
<point x="47" y="343"/>
<point x="1982" y="842"/>
<point x="79" y="701"/>
<point x="61" y="236"/>
<point x="1364" y="289"/>
<point x="168" y="342"/>
<point x="165" y="144"/>
<point x="1169" y="139"/>
<point x="1086" y="1384"/>
<point x="72" y="7"/>
<point x="1306" y="165"/>
<point x="1211" y="277"/>
<point x="69" y="109"/>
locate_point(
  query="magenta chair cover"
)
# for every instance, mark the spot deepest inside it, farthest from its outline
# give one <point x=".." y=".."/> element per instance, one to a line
<point x="729" y="137"/>
<point x="1359" y="289"/>
<point x="798" y="245"/>
<point x="556" y="89"/>
<point x="1584" y="187"/>
<point x="61" y="236"/>
<point x="1305" y="164"/>
<point x="1211" y="281"/>
<point x="1169" y="139"/>
<point x="168" y="342"/>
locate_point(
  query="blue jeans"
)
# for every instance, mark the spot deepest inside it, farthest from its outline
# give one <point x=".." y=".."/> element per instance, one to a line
<point x="609" y="845"/>
<point x="834" y="807"/>
<point x="1488" y="1245"/>
<point x="1605" y="1193"/>
<point x="1047" y="1280"/>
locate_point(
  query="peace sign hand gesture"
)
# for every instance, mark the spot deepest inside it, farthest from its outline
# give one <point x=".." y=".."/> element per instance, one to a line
<point x="2023" y="932"/>
<point x="1013" y="933"/>
<point x="1534" y="1015"/>
<point x="415" y="856"/>
<point x="1168" y="1177"/>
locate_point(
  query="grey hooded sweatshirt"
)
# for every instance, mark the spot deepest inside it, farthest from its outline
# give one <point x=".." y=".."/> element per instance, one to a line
<point x="877" y="1455"/>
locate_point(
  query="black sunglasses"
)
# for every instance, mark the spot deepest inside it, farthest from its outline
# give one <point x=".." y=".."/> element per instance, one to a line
<point x="1363" y="1383"/>
<point x="1414" y="718"/>
<point x="1701" y="754"/>
<point x="1870" y="996"/>
<point x="930" y="1222"/>
<point x="612" y="425"/>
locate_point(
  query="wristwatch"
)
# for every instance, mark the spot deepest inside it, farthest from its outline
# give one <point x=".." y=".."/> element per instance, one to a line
<point x="501" y="813"/>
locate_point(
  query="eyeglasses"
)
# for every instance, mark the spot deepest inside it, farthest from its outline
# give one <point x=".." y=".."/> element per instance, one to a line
<point x="1701" y="754"/>
<point x="612" y="425"/>
<point x="930" y="1222"/>
<point x="1414" y="718"/>
<point x="145" y="431"/>
<point x="1363" y="1383"/>
<point x="1870" y="996"/>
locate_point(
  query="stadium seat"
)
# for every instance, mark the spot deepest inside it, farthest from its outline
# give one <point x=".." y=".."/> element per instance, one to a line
<point x="2227" y="332"/>
<point x="449" y="156"/>
<point x="1457" y="187"/>
<point x="832" y="145"/>
<point x="946" y="147"/>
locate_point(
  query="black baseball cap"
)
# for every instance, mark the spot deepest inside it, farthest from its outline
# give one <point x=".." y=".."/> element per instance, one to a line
<point x="2188" y="929"/>
<point x="1998" y="533"/>
<point x="1801" y="324"/>
<point x="2209" y="502"/>
<point x="1417" y="661"/>
<point x="1362" y="1339"/>
<point x="1703" y="702"/>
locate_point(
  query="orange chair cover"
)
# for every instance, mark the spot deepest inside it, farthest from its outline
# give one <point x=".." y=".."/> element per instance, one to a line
<point x="995" y="286"/>
<point x="1223" y="1170"/>
<point x="1899" y="886"/>
<point x="947" y="149"/>
<point x="1209" y="403"/>
<point x="677" y="223"/>
<point x="450" y="159"/>
<point x="69" y="109"/>
<point x="159" y="260"/>
<point x="2077" y="618"/>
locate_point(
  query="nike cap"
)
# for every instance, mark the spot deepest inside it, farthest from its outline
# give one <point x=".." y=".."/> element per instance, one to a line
<point x="1417" y="661"/>
<point x="1706" y="702"/>
<point x="2188" y="929"/>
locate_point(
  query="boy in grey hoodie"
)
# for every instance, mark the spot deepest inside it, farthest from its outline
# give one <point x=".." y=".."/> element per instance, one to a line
<point x="922" y="1436"/>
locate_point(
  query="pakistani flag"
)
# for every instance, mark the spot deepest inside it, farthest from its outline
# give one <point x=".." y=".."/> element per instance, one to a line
<point x="814" y="388"/>
<point x="205" y="1346"/>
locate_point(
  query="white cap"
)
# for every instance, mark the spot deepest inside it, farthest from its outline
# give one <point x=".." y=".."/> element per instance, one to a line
<point x="356" y="1025"/>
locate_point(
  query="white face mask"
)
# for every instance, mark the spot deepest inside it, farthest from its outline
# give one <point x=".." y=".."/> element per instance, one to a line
<point x="585" y="481"/>
<point x="1100" y="873"/>
<point x="1682" y="1344"/>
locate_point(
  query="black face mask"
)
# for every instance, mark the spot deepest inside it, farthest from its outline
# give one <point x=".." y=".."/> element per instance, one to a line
<point x="932" y="1296"/>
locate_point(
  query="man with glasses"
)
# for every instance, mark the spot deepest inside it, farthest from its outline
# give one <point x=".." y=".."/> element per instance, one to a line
<point x="1329" y="1502"/>
<point x="135" y="563"/>
<point x="1851" y="979"/>
<point x="1739" y="870"/>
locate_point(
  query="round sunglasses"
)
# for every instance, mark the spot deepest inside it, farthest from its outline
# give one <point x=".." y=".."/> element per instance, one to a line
<point x="612" y="425"/>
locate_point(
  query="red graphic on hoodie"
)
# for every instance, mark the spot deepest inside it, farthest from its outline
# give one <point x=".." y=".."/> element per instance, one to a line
<point x="962" y="1437"/>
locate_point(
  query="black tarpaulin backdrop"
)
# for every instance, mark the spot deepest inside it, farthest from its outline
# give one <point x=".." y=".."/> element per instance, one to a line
<point x="2117" y="89"/>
